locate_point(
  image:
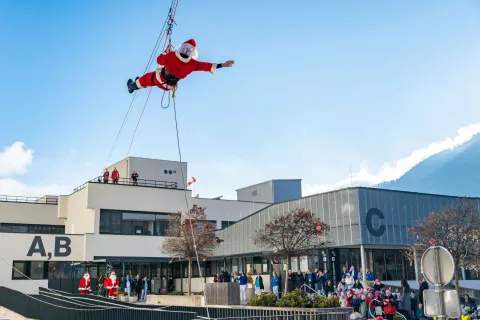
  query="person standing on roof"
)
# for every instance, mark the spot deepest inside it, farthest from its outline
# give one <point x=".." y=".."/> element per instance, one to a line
<point x="135" y="178"/>
<point x="106" y="175"/>
<point x="115" y="176"/>
<point x="177" y="65"/>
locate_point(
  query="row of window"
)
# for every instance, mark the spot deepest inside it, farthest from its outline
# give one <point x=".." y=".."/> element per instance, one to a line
<point x="31" y="228"/>
<point x="36" y="270"/>
<point x="138" y="223"/>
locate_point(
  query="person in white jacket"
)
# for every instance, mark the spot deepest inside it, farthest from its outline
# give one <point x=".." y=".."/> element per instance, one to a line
<point x="349" y="281"/>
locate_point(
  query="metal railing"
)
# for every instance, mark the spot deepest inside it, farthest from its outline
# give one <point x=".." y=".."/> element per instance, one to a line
<point x="43" y="200"/>
<point x="310" y="288"/>
<point x="279" y="313"/>
<point x="131" y="182"/>
<point x="57" y="307"/>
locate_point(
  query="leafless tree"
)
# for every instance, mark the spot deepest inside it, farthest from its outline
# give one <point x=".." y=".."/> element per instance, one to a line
<point x="294" y="233"/>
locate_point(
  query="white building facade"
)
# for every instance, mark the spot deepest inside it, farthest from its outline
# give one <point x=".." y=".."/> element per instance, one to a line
<point x="103" y="226"/>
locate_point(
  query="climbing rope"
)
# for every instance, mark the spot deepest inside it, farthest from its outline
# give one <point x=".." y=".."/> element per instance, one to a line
<point x="167" y="26"/>
<point x="188" y="207"/>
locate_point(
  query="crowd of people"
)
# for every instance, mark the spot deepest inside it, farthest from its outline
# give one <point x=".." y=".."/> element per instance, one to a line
<point x="111" y="286"/>
<point x="369" y="299"/>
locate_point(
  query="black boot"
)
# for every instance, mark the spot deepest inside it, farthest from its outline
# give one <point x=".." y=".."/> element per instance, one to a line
<point x="132" y="85"/>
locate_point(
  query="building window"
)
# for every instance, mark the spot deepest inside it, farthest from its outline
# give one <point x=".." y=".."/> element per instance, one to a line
<point x="31" y="228"/>
<point x="227" y="223"/>
<point x="36" y="270"/>
<point x="19" y="270"/>
<point x="133" y="223"/>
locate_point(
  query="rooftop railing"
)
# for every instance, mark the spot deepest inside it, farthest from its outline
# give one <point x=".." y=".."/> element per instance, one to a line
<point x="131" y="182"/>
<point x="43" y="200"/>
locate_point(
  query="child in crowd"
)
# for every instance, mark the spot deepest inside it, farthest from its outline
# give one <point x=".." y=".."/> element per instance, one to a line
<point x="420" y="313"/>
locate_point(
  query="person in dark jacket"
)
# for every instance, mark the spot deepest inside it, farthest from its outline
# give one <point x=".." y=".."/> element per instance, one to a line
<point x="468" y="302"/>
<point x="299" y="280"/>
<point x="423" y="286"/>
<point x="138" y="283"/>
<point x="378" y="285"/>
<point x="290" y="281"/>
<point x="357" y="285"/>
<point x="329" y="288"/>
<point x="170" y="285"/>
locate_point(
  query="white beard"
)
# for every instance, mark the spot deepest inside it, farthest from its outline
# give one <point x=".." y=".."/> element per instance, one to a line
<point x="86" y="276"/>
<point x="114" y="278"/>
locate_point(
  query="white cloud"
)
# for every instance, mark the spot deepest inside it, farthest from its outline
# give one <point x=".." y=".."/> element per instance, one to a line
<point x="12" y="187"/>
<point x="15" y="159"/>
<point x="393" y="171"/>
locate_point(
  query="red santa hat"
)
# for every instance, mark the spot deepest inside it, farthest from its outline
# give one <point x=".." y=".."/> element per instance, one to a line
<point x="191" y="42"/>
<point x="188" y="48"/>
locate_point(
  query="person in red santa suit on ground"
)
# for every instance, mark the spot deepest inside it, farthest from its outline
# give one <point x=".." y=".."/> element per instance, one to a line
<point x="85" y="284"/>
<point x="112" y="285"/>
<point x="177" y="65"/>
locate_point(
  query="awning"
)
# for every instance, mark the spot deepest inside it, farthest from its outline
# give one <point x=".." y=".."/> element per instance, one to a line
<point x="130" y="259"/>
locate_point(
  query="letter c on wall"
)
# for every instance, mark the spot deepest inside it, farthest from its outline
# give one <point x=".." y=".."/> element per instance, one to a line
<point x="375" y="231"/>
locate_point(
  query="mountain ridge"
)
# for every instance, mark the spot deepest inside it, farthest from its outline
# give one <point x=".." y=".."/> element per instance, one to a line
<point x="454" y="172"/>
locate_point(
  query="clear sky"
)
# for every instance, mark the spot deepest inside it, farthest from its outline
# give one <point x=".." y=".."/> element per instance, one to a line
<point x="317" y="86"/>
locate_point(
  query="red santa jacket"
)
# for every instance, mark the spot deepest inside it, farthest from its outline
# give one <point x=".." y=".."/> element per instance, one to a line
<point x="109" y="284"/>
<point x="181" y="67"/>
<point x="84" y="286"/>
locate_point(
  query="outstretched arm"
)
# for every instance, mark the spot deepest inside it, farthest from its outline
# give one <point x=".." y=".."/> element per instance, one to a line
<point x="212" y="67"/>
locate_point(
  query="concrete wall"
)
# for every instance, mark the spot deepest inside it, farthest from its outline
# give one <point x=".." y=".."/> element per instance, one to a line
<point x="15" y="247"/>
<point x="264" y="192"/>
<point x="122" y="246"/>
<point x="32" y="213"/>
<point x="122" y="168"/>
<point x="122" y="197"/>
<point x="153" y="169"/>
<point x="80" y="218"/>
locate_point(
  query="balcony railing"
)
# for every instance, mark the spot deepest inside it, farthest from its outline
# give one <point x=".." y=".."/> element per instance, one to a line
<point x="131" y="182"/>
<point x="43" y="200"/>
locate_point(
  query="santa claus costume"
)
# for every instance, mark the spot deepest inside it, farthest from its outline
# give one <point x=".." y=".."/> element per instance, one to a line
<point x="85" y="284"/>
<point x="176" y="65"/>
<point x="112" y="285"/>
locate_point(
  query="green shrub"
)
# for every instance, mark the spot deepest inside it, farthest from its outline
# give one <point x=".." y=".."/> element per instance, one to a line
<point x="295" y="299"/>
<point x="398" y="317"/>
<point x="176" y="293"/>
<point x="333" y="302"/>
<point x="324" y="302"/>
<point x="264" y="300"/>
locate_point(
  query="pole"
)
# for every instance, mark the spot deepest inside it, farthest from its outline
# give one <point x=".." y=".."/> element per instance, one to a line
<point x="415" y="264"/>
<point x="362" y="260"/>
<point x="437" y="284"/>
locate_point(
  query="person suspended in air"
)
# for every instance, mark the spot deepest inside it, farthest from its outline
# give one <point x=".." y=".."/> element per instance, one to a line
<point x="176" y="65"/>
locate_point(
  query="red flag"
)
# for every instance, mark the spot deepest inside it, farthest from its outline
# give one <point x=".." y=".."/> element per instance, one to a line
<point x="193" y="180"/>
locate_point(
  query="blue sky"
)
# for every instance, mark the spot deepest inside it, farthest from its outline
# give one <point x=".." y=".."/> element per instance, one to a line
<point x="317" y="86"/>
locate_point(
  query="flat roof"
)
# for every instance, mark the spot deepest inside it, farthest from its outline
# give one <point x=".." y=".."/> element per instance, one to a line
<point x="257" y="184"/>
